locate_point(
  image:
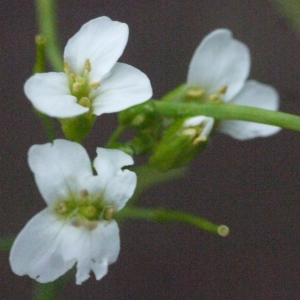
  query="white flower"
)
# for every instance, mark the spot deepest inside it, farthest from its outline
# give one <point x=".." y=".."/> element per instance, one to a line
<point x="93" y="80"/>
<point x="77" y="225"/>
<point x="218" y="72"/>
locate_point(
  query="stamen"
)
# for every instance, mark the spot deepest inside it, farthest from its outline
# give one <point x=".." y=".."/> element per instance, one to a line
<point x="199" y="140"/>
<point x="195" y="92"/>
<point x="84" y="193"/>
<point x="77" y="222"/>
<point x="80" y="80"/>
<point x="91" y="225"/>
<point x="87" y="65"/>
<point x="108" y="213"/>
<point x="76" y="87"/>
<point x="214" y="97"/>
<point x="62" y="207"/>
<point x="67" y="68"/>
<point x="192" y="132"/>
<point x="223" y="89"/>
<point x="95" y="85"/>
<point x="85" y="102"/>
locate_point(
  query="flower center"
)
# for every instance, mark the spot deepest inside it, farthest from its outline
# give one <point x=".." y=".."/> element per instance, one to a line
<point x="80" y="86"/>
<point x="195" y="94"/>
<point x="84" y="210"/>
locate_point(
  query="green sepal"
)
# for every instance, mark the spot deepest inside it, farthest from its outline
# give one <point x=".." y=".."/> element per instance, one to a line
<point x="123" y="147"/>
<point x="77" y="128"/>
<point x="143" y="143"/>
<point x="178" y="95"/>
<point x="133" y="118"/>
<point x="175" y="149"/>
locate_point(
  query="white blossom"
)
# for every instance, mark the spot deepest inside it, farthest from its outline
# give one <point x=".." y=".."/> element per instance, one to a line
<point x="93" y="80"/>
<point x="218" y="72"/>
<point x="77" y="226"/>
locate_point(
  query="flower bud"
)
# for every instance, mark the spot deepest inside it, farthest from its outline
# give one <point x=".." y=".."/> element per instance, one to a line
<point x="182" y="142"/>
<point x="140" y="116"/>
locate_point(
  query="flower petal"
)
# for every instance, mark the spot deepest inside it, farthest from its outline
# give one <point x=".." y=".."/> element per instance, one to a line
<point x="49" y="93"/>
<point x="93" y="249"/>
<point x="126" y="86"/>
<point x="254" y="94"/>
<point x="59" y="168"/>
<point x="100" y="40"/>
<point x="36" y="252"/>
<point x="118" y="184"/>
<point x="219" y="61"/>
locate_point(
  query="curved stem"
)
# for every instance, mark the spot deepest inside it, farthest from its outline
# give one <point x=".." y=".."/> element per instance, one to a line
<point x="47" y="22"/>
<point x="229" y="112"/>
<point x="163" y="215"/>
<point x="115" y="136"/>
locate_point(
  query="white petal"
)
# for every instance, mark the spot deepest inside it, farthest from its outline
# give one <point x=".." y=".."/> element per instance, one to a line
<point x="254" y="94"/>
<point x="118" y="184"/>
<point x="100" y="40"/>
<point x="93" y="249"/>
<point x="126" y="86"/>
<point x="49" y="93"/>
<point x="36" y="250"/>
<point x="219" y="61"/>
<point x="59" y="168"/>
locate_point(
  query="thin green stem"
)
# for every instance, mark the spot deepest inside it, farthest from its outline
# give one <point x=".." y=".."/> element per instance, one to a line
<point x="229" y="112"/>
<point x="47" y="22"/>
<point x="115" y="136"/>
<point x="44" y="291"/>
<point x="6" y="243"/>
<point x="163" y="215"/>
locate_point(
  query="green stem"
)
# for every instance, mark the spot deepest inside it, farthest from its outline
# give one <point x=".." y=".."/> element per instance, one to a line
<point x="115" y="136"/>
<point x="229" y="112"/>
<point x="148" y="177"/>
<point x="6" y="243"/>
<point x="47" y="22"/>
<point x="44" y="291"/>
<point x="163" y="215"/>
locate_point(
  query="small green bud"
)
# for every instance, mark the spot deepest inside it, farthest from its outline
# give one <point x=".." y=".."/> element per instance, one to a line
<point x="181" y="143"/>
<point x="139" y="116"/>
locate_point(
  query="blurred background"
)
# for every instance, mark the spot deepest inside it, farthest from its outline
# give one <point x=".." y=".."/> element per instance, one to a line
<point x="251" y="186"/>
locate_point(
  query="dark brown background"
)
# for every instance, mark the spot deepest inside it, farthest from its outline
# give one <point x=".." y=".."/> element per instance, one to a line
<point x="251" y="186"/>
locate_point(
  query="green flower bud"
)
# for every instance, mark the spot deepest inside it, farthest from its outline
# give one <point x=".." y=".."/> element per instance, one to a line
<point x="138" y="118"/>
<point x="181" y="143"/>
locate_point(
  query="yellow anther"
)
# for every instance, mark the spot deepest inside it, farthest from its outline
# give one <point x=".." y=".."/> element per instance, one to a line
<point x="80" y="80"/>
<point x="223" y="89"/>
<point x="108" y="213"/>
<point x="62" y="207"/>
<point x="76" y="87"/>
<point x="199" y="140"/>
<point x="214" y="97"/>
<point x="191" y="132"/>
<point x="87" y="65"/>
<point x="195" y="92"/>
<point x="90" y="211"/>
<point x="67" y="68"/>
<point x="91" y="225"/>
<point x="78" y="222"/>
<point x="95" y="85"/>
<point x="85" y="102"/>
<point x="84" y="193"/>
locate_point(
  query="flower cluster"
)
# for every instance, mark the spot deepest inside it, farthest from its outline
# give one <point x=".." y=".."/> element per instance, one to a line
<point x="77" y="227"/>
